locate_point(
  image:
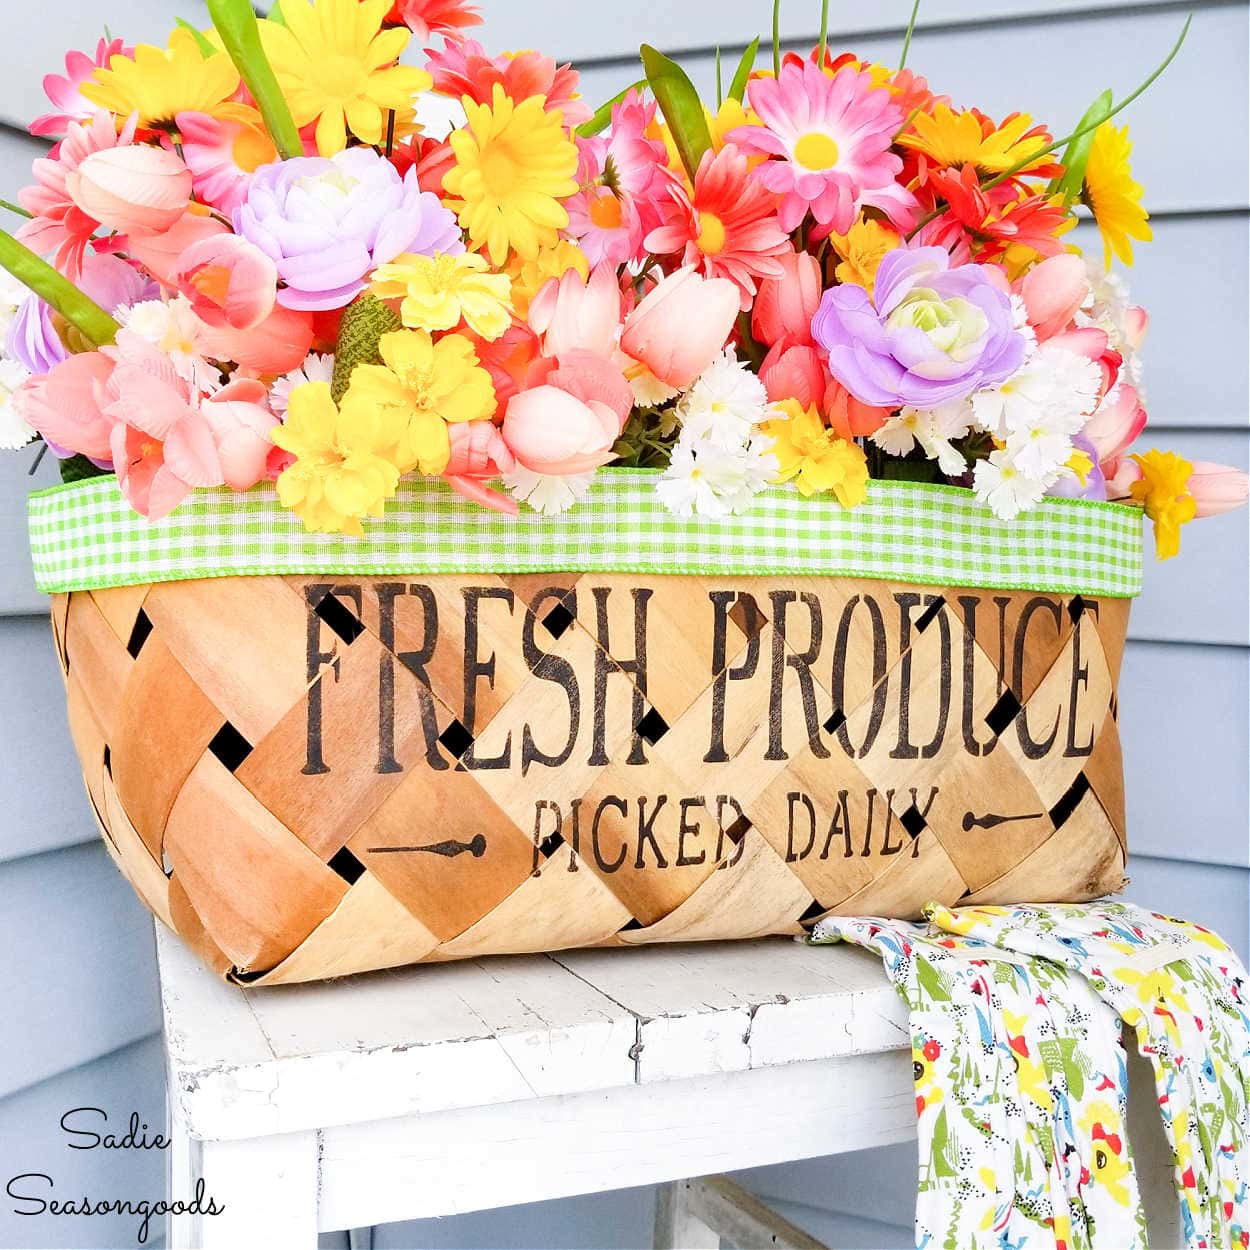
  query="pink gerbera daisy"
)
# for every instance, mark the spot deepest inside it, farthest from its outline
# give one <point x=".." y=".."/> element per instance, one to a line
<point x="223" y="151"/>
<point x="728" y="228"/>
<point x="830" y="139"/>
<point x="57" y="224"/>
<point x="63" y="90"/>
<point x="426" y="18"/>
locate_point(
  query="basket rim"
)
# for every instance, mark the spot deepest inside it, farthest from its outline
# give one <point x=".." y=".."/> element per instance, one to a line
<point x="85" y="536"/>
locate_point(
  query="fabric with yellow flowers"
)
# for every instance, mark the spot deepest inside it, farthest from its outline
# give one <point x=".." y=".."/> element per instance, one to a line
<point x="1021" y="1072"/>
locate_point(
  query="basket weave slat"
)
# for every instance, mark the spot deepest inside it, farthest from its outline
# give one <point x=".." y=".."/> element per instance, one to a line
<point x="307" y="779"/>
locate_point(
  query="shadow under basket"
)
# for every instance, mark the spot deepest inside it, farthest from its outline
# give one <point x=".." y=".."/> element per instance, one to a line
<point x="310" y="774"/>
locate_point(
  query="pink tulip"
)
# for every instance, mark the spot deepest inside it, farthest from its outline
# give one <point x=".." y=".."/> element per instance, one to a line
<point x="572" y="315"/>
<point x="552" y="432"/>
<point x="229" y="281"/>
<point x="1120" y="475"/>
<point x="137" y="190"/>
<point x="65" y="405"/>
<point x="277" y="345"/>
<point x="239" y="421"/>
<point x="681" y="326"/>
<point x="785" y="306"/>
<point x="795" y="373"/>
<point x="1053" y="292"/>
<point x="160" y="254"/>
<point x="593" y="378"/>
<point x="1136" y="323"/>
<point x="478" y="455"/>
<point x="1116" y="424"/>
<point x="1218" y="488"/>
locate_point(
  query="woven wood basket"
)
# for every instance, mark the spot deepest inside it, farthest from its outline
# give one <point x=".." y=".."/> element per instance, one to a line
<point x="310" y="776"/>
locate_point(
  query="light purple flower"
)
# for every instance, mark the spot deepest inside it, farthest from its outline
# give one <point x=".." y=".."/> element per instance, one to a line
<point x="328" y="222"/>
<point x="930" y="333"/>
<point x="1070" y="487"/>
<point x="32" y="339"/>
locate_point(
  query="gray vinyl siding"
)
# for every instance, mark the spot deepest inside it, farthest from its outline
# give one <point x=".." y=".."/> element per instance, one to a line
<point x="78" y="983"/>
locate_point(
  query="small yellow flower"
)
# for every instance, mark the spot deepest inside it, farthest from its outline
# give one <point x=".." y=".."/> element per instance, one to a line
<point x="1112" y="195"/>
<point x="956" y="138"/>
<point x="1164" y="492"/>
<point x="814" y="457"/>
<point x="1082" y="464"/>
<point x="159" y="83"/>
<point x="341" y="471"/>
<point x="426" y="385"/>
<point x="336" y="65"/>
<point x="439" y="292"/>
<point x="514" y="164"/>
<point x="530" y="276"/>
<point x="862" y="249"/>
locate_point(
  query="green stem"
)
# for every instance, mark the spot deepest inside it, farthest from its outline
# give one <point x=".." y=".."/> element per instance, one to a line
<point x="240" y="34"/>
<point x="777" y="37"/>
<point x="824" y="31"/>
<point x="720" y="82"/>
<point x="991" y="183"/>
<point x="78" y="309"/>
<point x="911" y="30"/>
<point x="14" y="208"/>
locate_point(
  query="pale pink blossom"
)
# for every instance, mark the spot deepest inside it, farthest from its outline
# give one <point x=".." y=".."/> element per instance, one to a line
<point x="1218" y="488"/>
<point x="479" y="454"/>
<point x="137" y="190"/>
<point x="1115" y="425"/>
<point x="554" y="433"/>
<point x="1053" y="292"/>
<point x="69" y="103"/>
<point x="229" y="281"/>
<point x="239" y="421"/>
<point x="569" y="313"/>
<point x="66" y="405"/>
<point x="159" y="254"/>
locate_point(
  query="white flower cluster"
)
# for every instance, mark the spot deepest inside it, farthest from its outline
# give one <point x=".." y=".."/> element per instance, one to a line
<point x="721" y="460"/>
<point x="14" y="432"/>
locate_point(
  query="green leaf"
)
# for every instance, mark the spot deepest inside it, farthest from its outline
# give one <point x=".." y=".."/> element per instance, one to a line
<point x="365" y="321"/>
<point x="738" y="88"/>
<point x="931" y="981"/>
<point x="681" y="106"/>
<point x="81" y="311"/>
<point x="1075" y="156"/>
<point x="79" y="469"/>
<point x="720" y="82"/>
<point x="240" y="35"/>
<point x="202" y="41"/>
<point x="603" y="115"/>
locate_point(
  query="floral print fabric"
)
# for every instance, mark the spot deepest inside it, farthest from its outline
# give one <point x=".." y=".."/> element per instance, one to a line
<point x="1021" y="1072"/>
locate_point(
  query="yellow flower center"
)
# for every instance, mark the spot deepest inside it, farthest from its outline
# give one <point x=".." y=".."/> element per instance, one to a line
<point x="500" y="169"/>
<point x="212" y="282"/>
<point x="712" y="235"/>
<point x="149" y="448"/>
<point x="605" y="212"/>
<point x="251" y="149"/>
<point x="816" y="151"/>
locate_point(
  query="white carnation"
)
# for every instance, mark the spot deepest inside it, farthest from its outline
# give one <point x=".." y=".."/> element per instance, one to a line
<point x="724" y="403"/>
<point x="707" y="479"/>
<point x="548" y="493"/>
<point x="14" y="432"/>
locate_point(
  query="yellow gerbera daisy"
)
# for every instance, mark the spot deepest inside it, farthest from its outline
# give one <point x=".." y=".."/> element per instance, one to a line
<point x="862" y="250"/>
<point x="950" y="138"/>
<point x="426" y="385"/>
<point x="438" y="292"/>
<point x="814" y="457"/>
<point x="341" y="471"/>
<point x="336" y="65"/>
<point x="1112" y="195"/>
<point x="158" y="83"/>
<point x="514" y="164"/>
<point x="530" y="276"/>
<point x="1164" y="492"/>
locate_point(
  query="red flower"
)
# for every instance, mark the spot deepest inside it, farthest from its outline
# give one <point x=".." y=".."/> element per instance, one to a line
<point x="931" y="1050"/>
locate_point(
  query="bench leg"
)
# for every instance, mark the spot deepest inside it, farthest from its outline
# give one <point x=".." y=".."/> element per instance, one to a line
<point x="676" y="1226"/>
<point x="253" y="1193"/>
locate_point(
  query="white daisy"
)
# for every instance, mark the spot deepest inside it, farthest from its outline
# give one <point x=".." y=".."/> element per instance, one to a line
<point x="13" y="294"/>
<point x="548" y="493"/>
<point x="725" y="403"/>
<point x="706" y="479"/>
<point x="933" y="430"/>
<point x="1055" y="384"/>
<point x="1007" y="491"/>
<point x="14" y="432"/>
<point x="317" y="367"/>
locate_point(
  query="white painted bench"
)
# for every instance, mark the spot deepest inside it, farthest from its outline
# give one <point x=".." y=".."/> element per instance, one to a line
<point x="445" y="1089"/>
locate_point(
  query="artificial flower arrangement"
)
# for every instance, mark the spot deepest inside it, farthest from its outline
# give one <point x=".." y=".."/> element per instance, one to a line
<point x="267" y="261"/>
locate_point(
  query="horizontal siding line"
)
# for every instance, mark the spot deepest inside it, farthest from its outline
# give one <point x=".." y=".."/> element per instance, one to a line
<point x="795" y="1211"/>
<point x="86" y="1063"/>
<point x="1176" y="859"/>
<point x="1187" y="642"/>
<point x="964" y="26"/>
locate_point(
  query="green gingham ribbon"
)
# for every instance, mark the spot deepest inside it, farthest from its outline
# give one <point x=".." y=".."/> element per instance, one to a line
<point x="86" y="537"/>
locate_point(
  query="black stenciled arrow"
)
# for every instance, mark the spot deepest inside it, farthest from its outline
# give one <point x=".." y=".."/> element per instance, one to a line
<point x="991" y="821"/>
<point x="449" y="850"/>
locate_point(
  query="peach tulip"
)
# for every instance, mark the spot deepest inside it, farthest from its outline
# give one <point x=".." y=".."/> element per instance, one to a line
<point x="160" y="254"/>
<point x="239" y="421"/>
<point x="280" y="343"/>
<point x="785" y="306"/>
<point x="229" y="281"/>
<point x="1218" y="488"/>
<point x="1120" y="476"/>
<point x="1115" y="424"/>
<point x="478" y="455"/>
<point x="572" y="315"/>
<point x="136" y="190"/>
<point x="681" y="326"/>
<point x="795" y="373"/>
<point x="1053" y="292"/>
<point x="590" y="377"/>
<point x="65" y="405"/>
<point x="550" y="431"/>
<point x="1136" y="323"/>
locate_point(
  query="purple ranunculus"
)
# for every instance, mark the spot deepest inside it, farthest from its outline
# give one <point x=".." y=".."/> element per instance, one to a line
<point x="929" y="334"/>
<point x="1095" y="484"/>
<point x="328" y="222"/>
<point x="32" y="339"/>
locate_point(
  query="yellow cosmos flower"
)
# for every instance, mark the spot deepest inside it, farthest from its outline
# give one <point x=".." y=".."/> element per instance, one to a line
<point x="1164" y="491"/>
<point x="1112" y="195"/>
<point x="814" y="457"/>
<point x="425" y="385"/>
<point x="514" y="164"/>
<point x="530" y="276"/>
<point x="158" y="83"/>
<point x="341" y="471"/>
<point x="951" y="138"/>
<point x="336" y="65"/>
<point x="862" y="249"/>
<point x="438" y="292"/>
